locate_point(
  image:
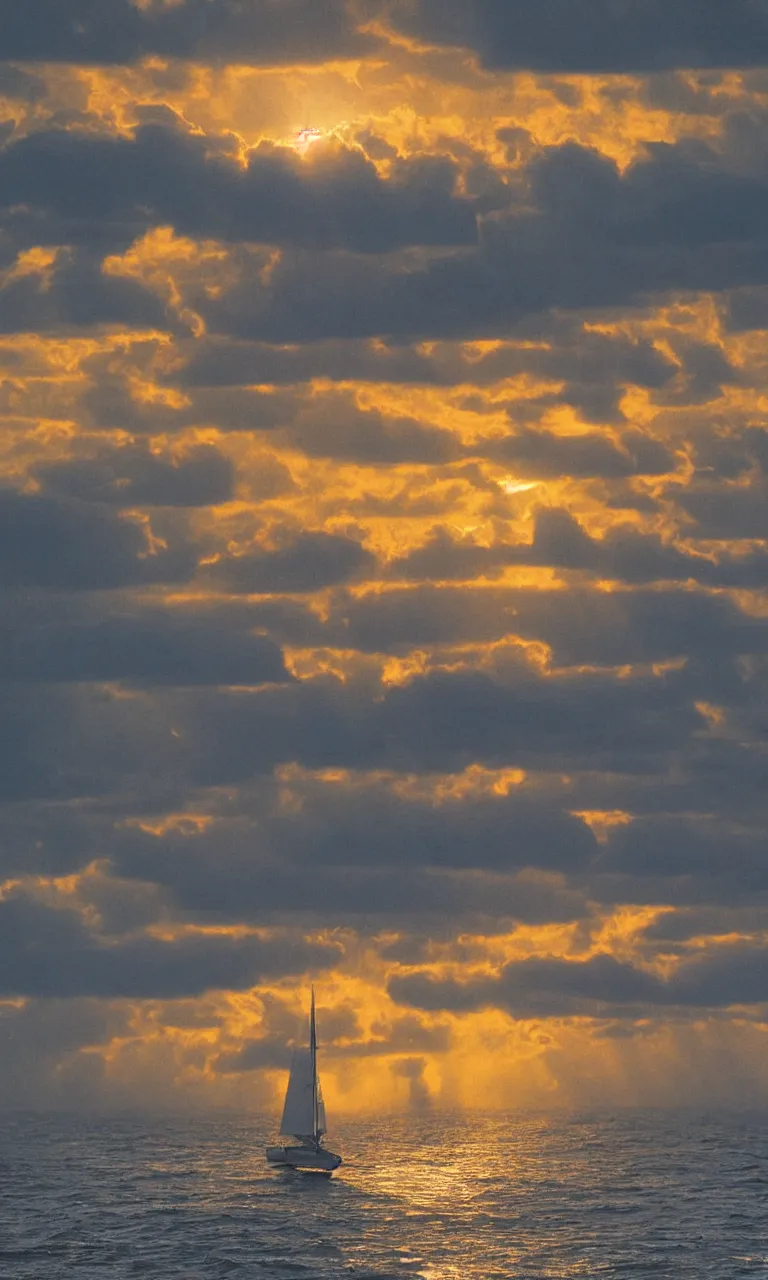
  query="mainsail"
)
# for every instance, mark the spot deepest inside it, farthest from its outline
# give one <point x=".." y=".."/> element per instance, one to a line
<point x="299" y="1110"/>
<point x="304" y="1110"/>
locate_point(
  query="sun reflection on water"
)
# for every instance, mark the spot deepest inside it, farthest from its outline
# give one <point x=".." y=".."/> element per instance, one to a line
<point x="441" y="1175"/>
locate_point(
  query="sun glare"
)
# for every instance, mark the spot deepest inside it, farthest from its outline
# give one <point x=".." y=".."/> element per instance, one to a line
<point x="305" y="139"/>
<point x="518" y="486"/>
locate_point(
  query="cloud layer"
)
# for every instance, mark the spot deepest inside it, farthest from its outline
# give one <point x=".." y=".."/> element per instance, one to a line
<point x="383" y="548"/>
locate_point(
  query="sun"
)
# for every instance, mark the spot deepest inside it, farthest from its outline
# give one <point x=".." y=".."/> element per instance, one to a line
<point x="305" y="138"/>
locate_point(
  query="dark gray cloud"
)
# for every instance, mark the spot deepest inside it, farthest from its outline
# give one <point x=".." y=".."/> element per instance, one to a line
<point x="63" y="743"/>
<point x="51" y="953"/>
<point x="264" y="866"/>
<point x="441" y="722"/>
<point x="77" y="294"/>
<point x="48" y="840"/>
<point x="456" y="719"/>
<point x="728" y="455"/>
<point x="725" y="976"/>
<point x="232" y="874"/>
<point x="308" y="563"/>
<point x="623" y="554"/>
<point x="55" y="543"/>
<point x="675" y="928"/>
<point x="118" y="31"/>
<point x="547" y="36"/>
<point x="739" y="511"/>
<point x="570" y="352"/>
<point x="502" y="833"/>
<point x="677" y="90"/>
<point x="135" y="476"/>
<point x="71" y="182"/>
<point x="637" y="626"/>
<point x="676" y="219"/>
<point x="403" y="619"/>
<point x="706" y="848"/>
<point x="720" y="978"/>
<point x="18" y="83"/>
<point x="596" y="35"/>
<point x="412" y="862"/>
<point x="109" y="402"/>
<point x="258" y="1055"/>
<point x="213" y="362"/>
<point x="546" y="454"/>
<point x="722" y="773"/>
<point x="146" y="647"/>
<point x="748" y="309"/>
<point x="580" y="625"/>
<point x="333" y="426"/>
<point x="443" y="559"/>
<point x="705" y="372"/>
<point x="535" y="988"/>
<point x="631" y="557"/>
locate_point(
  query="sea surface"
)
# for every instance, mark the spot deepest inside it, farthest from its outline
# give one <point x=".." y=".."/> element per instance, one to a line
<point x="444" y="1197"/>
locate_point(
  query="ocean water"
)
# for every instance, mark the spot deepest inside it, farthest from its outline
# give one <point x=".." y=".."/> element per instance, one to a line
<point x="443" y="1197"/>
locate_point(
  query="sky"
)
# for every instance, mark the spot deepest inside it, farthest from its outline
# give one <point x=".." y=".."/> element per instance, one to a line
<point x="384" y="551"/>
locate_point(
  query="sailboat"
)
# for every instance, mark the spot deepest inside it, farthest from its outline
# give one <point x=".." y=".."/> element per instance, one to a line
<point x="304" y="1112"/>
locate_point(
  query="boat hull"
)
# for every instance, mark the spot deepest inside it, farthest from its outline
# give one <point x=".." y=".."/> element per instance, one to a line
<point x="304" y="1158"/>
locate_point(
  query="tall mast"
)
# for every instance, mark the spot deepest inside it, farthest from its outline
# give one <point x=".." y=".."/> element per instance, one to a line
<point x="313" y="1059"/>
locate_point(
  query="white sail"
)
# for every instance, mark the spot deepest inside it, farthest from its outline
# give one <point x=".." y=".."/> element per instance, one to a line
<point x="299" y="1110"/>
